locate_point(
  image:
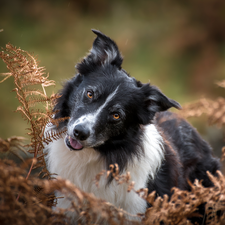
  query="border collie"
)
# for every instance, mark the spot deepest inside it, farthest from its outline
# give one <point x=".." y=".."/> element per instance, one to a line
<point x="115" y="119"/>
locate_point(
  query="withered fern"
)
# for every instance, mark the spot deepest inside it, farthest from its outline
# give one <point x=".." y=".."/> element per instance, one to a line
<point x="27" y="75"/>
<point x="12" y="145"/>
<point x="213" y="109"/>
<point x="183" y="204"/>
<point x="32" y="208"/>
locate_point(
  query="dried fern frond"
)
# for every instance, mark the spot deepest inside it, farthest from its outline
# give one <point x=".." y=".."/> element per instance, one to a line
<point x="7" y="75"/>
<point x="35" y="194"/>
<point x="183" y="204"/>
<point x="27" y="75"/>
<point x="13" y="145"/>
<point x="12" y="142"/>
<point x="213" y="109"/>
<point x="221" y="83"/>
<point x="88" y="207"/>
<point x="32" y="207"/>
<point x="53" y="135"/>
<point x="114" y="172"/>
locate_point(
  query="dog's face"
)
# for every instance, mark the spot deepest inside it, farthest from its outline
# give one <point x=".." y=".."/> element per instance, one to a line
<point x="103" y="102"/>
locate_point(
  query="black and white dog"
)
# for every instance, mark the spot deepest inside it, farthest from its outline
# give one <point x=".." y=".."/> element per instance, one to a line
<point x="113" y="118"/>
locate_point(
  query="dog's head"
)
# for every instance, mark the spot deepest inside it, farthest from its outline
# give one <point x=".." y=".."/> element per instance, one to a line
<point x="104" y="103"/>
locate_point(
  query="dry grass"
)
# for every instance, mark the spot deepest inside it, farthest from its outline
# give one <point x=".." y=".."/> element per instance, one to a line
<point x="28" y="199"/>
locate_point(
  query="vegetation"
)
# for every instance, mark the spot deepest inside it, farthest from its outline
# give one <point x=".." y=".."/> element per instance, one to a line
<point x="26" y="198"/>
<point x="178" y="45"/>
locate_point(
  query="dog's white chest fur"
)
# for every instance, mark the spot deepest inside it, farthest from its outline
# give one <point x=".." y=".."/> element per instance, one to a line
<point x="81" y="167"/>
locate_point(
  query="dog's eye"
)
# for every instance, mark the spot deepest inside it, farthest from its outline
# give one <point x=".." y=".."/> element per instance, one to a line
<point x="116" y="116"/>
<point x="90" y="94"/>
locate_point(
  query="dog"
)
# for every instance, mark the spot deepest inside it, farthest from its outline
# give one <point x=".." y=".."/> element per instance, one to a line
<point x="111" y="118"/>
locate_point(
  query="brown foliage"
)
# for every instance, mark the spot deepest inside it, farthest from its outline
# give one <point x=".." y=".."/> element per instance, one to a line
<point x="30" y="208"/>
<point x="33" y="207"/>
<point x="23" y="67"/>
<point x="213" y="109"/>
<point x="183" y="203"/>
<point x="28" y="199"/>
<point x="12" y="145"/>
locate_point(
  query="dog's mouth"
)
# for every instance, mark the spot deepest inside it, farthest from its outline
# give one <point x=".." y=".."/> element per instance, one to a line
<point x="73" y="143"/>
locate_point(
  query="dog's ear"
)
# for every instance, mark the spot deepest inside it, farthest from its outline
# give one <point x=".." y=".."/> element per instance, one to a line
<point x="155" y="101"/>
<point x="104" y="50"/>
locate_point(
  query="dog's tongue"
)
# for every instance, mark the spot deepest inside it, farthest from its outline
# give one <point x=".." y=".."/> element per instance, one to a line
<point x="75" y="144"/>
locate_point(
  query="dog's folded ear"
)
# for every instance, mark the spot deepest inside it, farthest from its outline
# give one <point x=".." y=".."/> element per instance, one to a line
<point x="104" y="50"/>
<point x="155" y="101"/>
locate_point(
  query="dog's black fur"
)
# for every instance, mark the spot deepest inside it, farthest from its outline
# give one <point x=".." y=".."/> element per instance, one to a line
<point x="186" y="155"/>
<point x="193" y="155"/>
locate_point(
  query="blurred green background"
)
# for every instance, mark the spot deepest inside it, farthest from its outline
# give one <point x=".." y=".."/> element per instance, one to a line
<point x="177" y="45"/>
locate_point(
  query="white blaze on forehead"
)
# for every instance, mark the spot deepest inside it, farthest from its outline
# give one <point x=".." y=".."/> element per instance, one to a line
<point x="90" y="119"/>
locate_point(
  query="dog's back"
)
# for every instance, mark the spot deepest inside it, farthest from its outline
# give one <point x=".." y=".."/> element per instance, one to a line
<point x="195" y="154"/>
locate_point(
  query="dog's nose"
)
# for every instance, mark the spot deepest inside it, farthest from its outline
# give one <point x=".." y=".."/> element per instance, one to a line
<point x="81" y="133"/>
